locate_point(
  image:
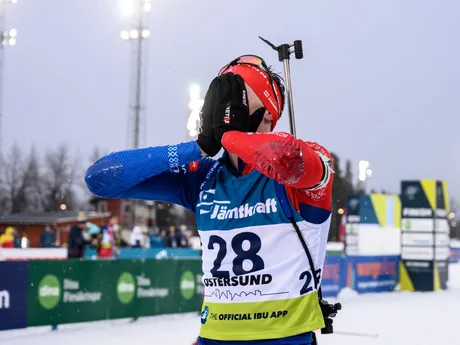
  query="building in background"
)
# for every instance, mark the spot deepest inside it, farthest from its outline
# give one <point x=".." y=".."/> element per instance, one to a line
<point x="31" y="225"/>
<point x="147" y="213"/>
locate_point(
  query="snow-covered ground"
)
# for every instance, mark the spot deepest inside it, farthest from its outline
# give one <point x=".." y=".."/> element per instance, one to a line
<point x="398" y="318"/>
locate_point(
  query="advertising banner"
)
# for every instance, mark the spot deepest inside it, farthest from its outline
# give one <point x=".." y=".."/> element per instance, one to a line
<point x="140" y="288"/>
<point x="372" y="273"/>
<point x="151" y="287"/>
<point x="425" y="240"/>
<point x="454" y="254"/>
<point x="13" y="295"/>
<point x="68" y="291"/>
<point x="189" y="293"/>
<point x="333" y="276"/>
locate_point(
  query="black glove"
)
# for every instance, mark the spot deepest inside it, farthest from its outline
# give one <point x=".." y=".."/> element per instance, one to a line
<point x="231" y="112"/>
<point x="206" y="139"/>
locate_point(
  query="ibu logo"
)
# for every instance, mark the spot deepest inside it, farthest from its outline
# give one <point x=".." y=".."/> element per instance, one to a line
<point x="204" y="315"/>
<point x="126" y="288"/>
<point x="49" y="291"/>
<point x="187" y="285"/>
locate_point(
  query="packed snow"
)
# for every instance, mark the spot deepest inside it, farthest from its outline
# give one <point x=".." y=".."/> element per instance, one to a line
<point x="381" y="319"/>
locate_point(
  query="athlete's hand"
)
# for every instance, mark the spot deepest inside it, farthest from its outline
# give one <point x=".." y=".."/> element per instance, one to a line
<point x="206" y="139"/>
<point x="231" y="112"/>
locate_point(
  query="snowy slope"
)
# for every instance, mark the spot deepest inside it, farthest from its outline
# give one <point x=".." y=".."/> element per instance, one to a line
<point x="399" y="318"/>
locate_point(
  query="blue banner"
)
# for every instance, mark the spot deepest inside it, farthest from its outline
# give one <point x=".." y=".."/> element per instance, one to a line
<point x="13" y="294"/>
<point x="372" y="273"/>
<point x="454" y="254"/>
<point x="151" y="253"/>
<point x="333" y="276"/>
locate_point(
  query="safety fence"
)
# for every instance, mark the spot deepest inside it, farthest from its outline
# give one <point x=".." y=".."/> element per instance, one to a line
<point x="35" y="293"/>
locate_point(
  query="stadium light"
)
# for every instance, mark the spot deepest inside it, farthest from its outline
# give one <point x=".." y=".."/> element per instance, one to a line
<point x="124" y="34"/>
<point x="9" y="37"/>
<point x="136" y="32"/>
<point x="145" y="33"/>
<point x="195" y="105"/>
<point x="134" y="13"/>
<point x="363" y="171"/>
<point x="127" y="8"/>
<point x="131" y="8"/>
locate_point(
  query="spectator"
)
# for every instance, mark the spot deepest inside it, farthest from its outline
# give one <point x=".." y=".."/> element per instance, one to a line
<point x="18" y="241"/>
<point x="155" y="238"/>
<point x="165" y="237"/>
<point x="7" y="239"/>
<point x="109" y="239"/>
<point x="137" y="238"/>
<point x="184" y="237"/>
<point x="47" y="239"/>
<point x="183" y="242"/>
<point x="173" y="238"/>
<point x="76" y="242"/>
<point x="94" y="233"/>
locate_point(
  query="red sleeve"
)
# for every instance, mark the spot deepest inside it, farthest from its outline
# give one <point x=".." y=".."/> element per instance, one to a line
<point x="314" y="205"/>
<point x="280" y="156"/>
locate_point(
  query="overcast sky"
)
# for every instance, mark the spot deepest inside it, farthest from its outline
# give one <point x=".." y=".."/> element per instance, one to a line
<point x="380" y="79"/>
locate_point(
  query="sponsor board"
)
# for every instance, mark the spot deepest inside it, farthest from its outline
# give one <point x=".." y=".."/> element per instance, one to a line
<point x="417" y="239"/>
<point x="367" y="274"/>
<point x="442" y="225"/>
<point x="13" y="295"/>
<point x="417" y="225"/>
<point x="417" y="253"/>
<point x="67" y="291"/>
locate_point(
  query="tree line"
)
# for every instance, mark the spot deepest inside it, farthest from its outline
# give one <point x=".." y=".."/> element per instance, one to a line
<point x="33" y="182"/>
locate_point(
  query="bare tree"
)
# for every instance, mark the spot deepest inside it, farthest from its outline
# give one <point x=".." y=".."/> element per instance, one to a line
<point x="20" y="182"/>
<point x="60" y="172"/>
<point x="13" y="181"/>
<point x="96" y="155"/>
<point x="3" y="189"/>
<point x="87" y="195"/>
<point x="33" y="182"/>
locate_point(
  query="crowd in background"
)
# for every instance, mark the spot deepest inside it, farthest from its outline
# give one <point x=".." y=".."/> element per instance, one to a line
<point x="106" y="239"/>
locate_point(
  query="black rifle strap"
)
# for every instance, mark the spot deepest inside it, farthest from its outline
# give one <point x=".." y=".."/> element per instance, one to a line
<point x="307" y="252"/>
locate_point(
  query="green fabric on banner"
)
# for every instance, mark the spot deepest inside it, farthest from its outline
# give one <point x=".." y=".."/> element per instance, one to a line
<point x="189" y="287"/>
<point x="153" y="287"/>
<point x="141" y="288"/>
<point x="78" y="291"/>
<point x="67" y="292"/>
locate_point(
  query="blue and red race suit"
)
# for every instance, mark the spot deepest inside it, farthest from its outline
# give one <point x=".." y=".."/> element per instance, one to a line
<point x="278" y="178"/>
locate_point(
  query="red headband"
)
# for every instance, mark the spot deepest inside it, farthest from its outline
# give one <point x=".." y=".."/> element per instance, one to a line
<point x="258" y="80"/>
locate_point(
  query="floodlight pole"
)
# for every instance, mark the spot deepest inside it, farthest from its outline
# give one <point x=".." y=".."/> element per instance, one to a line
<point x="3" y="42"/>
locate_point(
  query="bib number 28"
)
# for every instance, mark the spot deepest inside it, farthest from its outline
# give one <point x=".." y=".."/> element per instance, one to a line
<point x="243" y="253"/>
